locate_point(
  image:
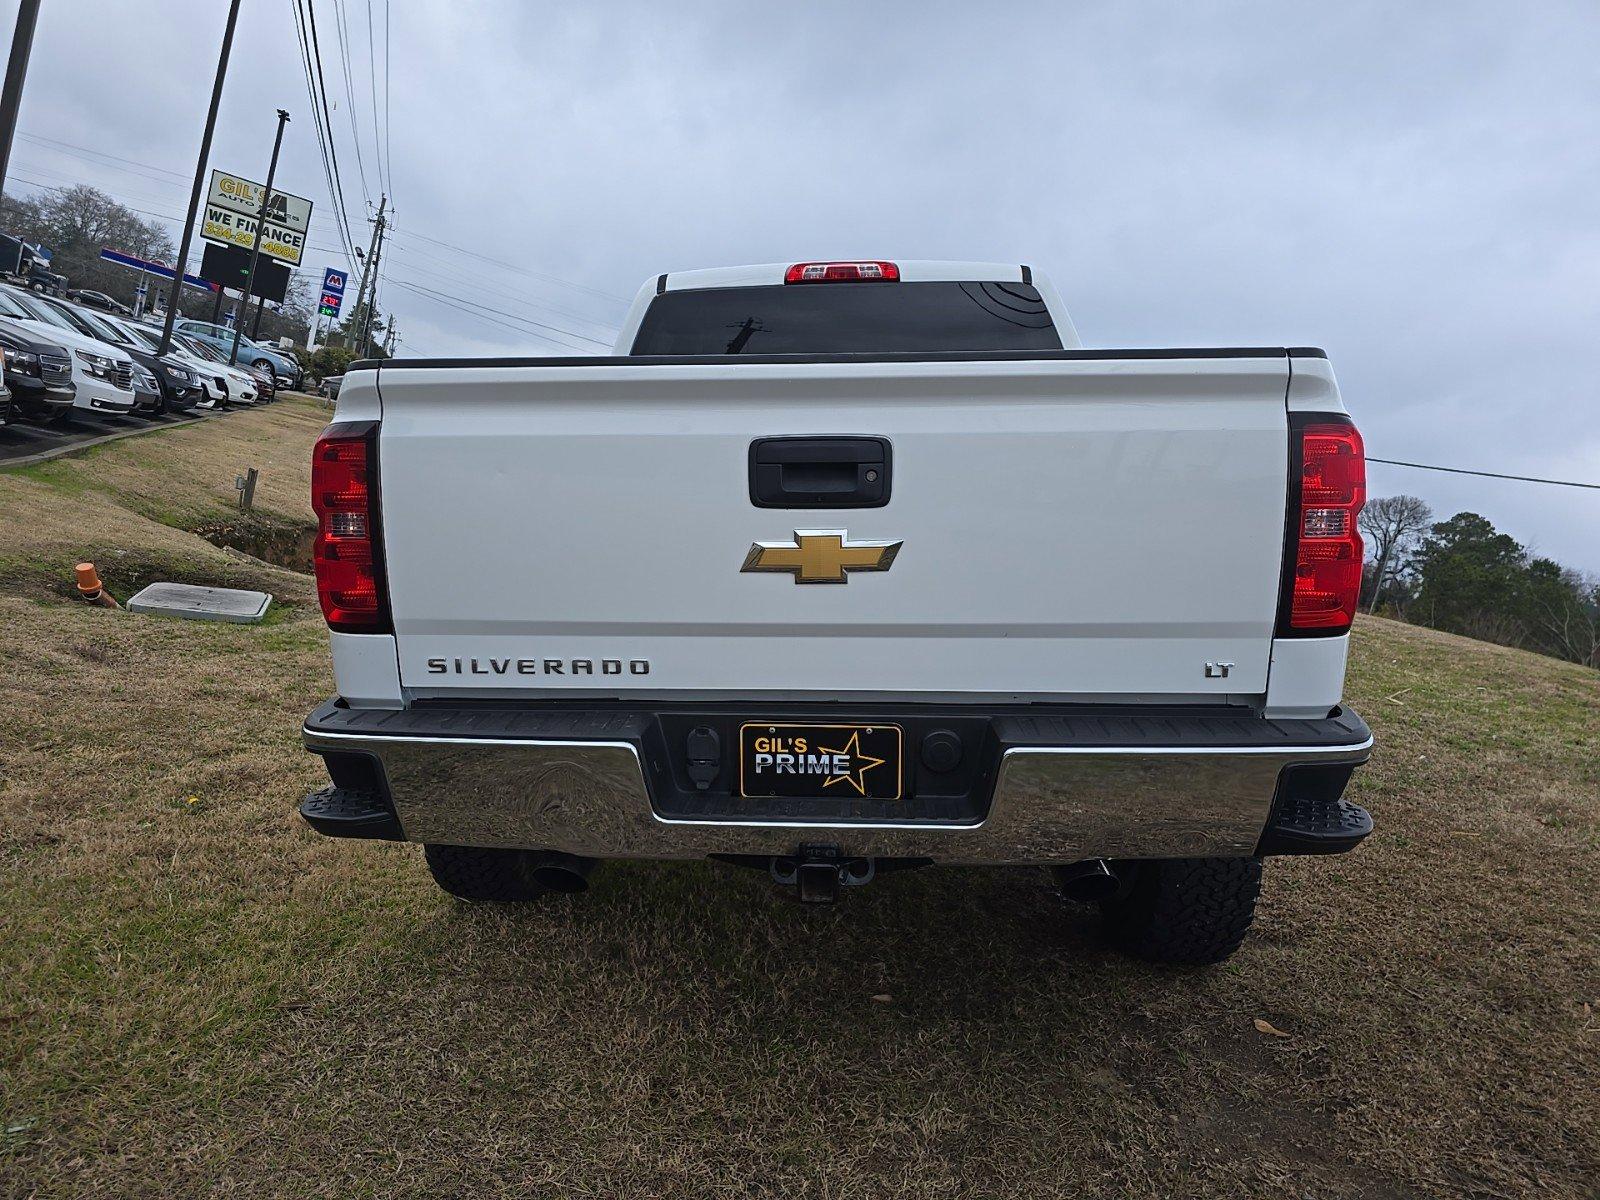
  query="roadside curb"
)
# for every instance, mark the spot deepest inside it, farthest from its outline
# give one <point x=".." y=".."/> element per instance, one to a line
<point x="29" y="460"/>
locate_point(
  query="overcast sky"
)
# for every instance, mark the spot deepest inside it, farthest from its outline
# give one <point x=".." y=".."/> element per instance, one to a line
<point x="1414" y="187"/>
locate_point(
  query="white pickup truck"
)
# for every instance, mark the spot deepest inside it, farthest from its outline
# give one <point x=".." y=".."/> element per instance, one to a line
<point x="838" y="568"/>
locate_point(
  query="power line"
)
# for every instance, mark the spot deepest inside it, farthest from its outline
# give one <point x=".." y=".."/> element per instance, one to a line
<point x="500" y="312"/>
<point x="337" y="228"/>
<point x="486" y="311"/>
<point x="328" y="222"/>
<point x="372" y="76"/>
<point x="1392" y="462"/>
<point x="500" y="291"/>
<point x="481" y="317"/>
<point x="341" y="224"/>
<point x="504" y="321"/>
<point x="448" y="299"/>
<point x="342" y="210"/>
<point x="521" y="270"/>
<point x="388" y="158"/>
<point x="350" y="98"/>
<point x="137" y="168"/>
<point x="331" y="149"/>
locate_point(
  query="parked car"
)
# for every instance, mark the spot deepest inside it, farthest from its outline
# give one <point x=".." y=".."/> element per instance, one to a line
<point x="213" y="377"/>
<point x="98" y="300"/>
<point x="266" y="381"/>
<point x="8" y="410"/>
<point x="284" y="366"/>
<point x="238" y="386"/>
<point x="102" y="374"/>
<point x="160" y="384"/>
<point x="1112" y="642"/>
<point x="38" y="372"/>
<point x="177" y="376"/>
<point x="210" y="382"/>
<point x="330" y="386"/>
<point x="146" y="392"/>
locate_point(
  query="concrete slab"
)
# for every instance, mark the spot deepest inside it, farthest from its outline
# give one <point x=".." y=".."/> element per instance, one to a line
<point x="201" y="603"/>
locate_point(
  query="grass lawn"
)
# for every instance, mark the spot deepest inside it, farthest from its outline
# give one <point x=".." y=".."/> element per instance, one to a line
<point x="199" y="996"/>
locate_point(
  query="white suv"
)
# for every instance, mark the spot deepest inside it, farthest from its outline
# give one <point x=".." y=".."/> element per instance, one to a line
<point x="103" y="373"/>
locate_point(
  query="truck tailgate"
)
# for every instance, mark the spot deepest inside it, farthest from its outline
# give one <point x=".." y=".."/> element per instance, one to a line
<point x="1071" y="526"/>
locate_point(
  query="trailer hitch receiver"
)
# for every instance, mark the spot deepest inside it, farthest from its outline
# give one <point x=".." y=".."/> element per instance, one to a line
<point x="818" y="872"/>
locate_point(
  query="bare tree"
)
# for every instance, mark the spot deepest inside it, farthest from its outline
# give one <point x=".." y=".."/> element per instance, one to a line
<point x="77" y="223"/>
<point x="1393" y="525"/>
<point x="1567" y="614"/>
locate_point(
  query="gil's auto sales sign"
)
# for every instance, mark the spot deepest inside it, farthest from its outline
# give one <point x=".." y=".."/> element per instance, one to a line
<point x="232" y="205"/>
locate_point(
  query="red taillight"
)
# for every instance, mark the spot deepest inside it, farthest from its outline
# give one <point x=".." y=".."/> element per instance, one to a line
<point x="1331" y="474"/>
<point x="843" y="272"/>
<point x="348" y="553"/>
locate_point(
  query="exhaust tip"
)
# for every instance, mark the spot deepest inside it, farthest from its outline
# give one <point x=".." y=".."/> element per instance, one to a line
<point x="557" y="872"/>
<point x="1088" y="881"/>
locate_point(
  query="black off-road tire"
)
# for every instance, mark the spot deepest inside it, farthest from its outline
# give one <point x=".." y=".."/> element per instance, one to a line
<point x="483" y="872"/>
<point x="1189" y="911"/>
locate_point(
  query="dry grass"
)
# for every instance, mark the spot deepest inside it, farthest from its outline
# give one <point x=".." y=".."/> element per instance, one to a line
<point x="198" y="996"/>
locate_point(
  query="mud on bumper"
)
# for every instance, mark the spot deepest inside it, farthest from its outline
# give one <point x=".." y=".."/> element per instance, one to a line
<point x="1036" y="787"/>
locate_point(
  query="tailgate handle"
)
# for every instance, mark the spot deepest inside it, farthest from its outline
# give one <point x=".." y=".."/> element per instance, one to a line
<point x="819" y="472"/>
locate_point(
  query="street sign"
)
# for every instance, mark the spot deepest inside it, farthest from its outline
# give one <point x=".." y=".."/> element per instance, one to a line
<point x="230" y="218"/>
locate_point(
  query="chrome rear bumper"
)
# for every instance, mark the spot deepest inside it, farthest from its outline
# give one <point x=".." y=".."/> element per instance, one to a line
<point x="1176" y="786"/>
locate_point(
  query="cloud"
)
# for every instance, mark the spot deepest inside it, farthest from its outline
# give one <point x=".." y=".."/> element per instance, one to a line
<point x="1411" y="187"/>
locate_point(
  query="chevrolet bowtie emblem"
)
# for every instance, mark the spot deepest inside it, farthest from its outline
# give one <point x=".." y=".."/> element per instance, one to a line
<point x="820" y="556"/>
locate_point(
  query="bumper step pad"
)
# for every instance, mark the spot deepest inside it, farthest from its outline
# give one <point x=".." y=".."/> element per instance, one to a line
<point x="1316" y="825"/>
<point x="351" y="813"/>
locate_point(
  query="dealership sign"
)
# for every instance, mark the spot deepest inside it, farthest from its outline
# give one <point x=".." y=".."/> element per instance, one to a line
<point x="232" y="205"/>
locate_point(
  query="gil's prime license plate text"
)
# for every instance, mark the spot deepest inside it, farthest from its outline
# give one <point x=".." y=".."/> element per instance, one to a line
<point x="836" y="761"/>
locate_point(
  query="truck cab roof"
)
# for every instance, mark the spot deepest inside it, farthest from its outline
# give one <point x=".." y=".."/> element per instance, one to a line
<point x="902" y="271"/>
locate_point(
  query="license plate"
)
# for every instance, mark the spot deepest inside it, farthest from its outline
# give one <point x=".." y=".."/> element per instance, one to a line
<point x="833" y="761"/>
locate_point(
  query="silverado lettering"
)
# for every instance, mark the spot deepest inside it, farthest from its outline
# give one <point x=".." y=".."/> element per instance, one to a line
<point x="534" y="666"/>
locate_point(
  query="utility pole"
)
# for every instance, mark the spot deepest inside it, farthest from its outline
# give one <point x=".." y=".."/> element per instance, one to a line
<point x="255" y="242"/>
<point x="16" y="73"/>
<point x="372" y="300"/>
<point x="366" y="270"/>
<point x="199" y="176"/>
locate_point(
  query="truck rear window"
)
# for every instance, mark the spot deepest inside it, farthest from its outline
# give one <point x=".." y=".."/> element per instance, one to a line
<point x="848" y="318"/>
